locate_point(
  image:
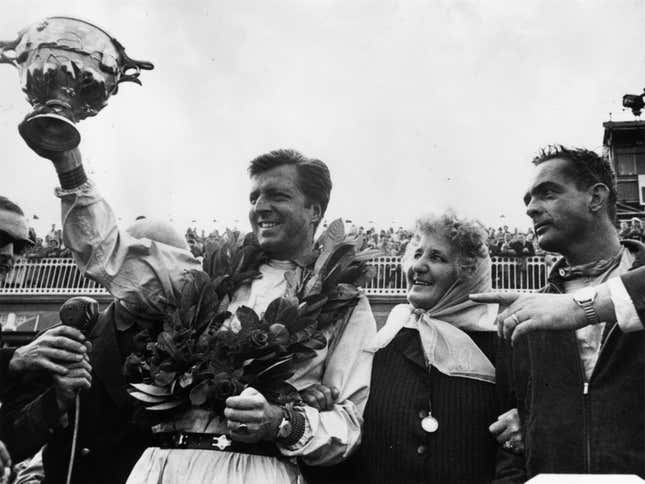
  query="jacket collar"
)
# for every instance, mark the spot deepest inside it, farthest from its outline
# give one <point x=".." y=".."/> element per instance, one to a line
<point x="407" y="343"/>
<point x="556" y="282"/>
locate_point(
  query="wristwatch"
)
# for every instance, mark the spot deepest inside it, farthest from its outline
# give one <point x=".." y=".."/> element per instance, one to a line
<point x="585" y="298"/>
<point x="292" y="426"/>
<point x="285" y="428"/>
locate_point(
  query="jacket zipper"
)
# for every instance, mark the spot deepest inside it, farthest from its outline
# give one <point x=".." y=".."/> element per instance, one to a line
<point x="585" y="391"/>
<point x="585" y="404"/>
<point x="585" y="410"/>
<point x="585" y="386"/>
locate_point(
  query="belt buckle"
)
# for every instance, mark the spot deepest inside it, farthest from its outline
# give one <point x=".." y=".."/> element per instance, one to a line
<point x="181" y="439"/>
<point x="222" y="442"/>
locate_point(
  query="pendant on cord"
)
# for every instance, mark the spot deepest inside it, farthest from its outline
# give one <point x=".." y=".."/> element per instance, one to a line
<point x="429" y="424"/>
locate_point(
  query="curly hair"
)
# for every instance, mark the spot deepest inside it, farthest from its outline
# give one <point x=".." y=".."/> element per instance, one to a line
<point x="585" y="168"/>
<point x="466" y="237"/>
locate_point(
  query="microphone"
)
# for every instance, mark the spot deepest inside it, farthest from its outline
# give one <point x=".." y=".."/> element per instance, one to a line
<point x="80" y="312"/>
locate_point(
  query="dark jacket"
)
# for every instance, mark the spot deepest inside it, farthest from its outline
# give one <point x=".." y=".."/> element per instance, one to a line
<point x="109" y="443"/>
<point x="570" y="426"/>
<point x="395" y="448"/>
<point x="5" y="358"/>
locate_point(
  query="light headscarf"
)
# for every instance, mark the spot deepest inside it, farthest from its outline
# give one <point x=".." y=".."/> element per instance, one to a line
<point x="442" y="328"/>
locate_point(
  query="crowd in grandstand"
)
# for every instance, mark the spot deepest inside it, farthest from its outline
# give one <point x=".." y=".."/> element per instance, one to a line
<point x="47" y="247"/>
<point x="502" y="242"/>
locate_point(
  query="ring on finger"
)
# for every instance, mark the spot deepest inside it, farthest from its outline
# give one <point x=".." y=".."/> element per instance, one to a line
<point x="242" y="429"/>
<point x="509" y="445"/>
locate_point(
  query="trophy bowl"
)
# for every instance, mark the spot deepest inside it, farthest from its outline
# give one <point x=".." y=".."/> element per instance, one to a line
<point x="68" y="70"/>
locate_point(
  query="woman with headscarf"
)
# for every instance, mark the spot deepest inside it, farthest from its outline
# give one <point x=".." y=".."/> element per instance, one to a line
<point x="433" y="396"/>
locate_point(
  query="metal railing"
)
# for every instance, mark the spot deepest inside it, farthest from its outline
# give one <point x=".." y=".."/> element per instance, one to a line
<point x="46" y="277"/>
<point x="523" y="274"/>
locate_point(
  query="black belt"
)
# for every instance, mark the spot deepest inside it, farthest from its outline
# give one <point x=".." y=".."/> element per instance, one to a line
<point x="194" y="440"/>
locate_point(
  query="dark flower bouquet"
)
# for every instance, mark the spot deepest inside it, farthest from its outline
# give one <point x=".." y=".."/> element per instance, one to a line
<point x="195" y="359"/>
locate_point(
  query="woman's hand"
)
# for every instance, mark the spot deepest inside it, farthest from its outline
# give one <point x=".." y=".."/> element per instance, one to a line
<point x="251" y="418"/>
<point x="320" y="397"/>
<point x="508" y="431"/>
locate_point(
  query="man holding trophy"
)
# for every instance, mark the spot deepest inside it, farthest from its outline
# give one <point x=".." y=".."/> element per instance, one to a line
<point x="148" y="277"/>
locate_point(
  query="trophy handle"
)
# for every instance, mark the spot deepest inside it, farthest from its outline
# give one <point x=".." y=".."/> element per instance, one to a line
<point x="130" y="68"/>
<point x="8" y="46"/>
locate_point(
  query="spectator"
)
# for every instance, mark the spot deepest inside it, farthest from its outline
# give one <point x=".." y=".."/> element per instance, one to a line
<point x="636" y="231"/>
<point x="505" y="249"/>
<point x="522" y="247"/>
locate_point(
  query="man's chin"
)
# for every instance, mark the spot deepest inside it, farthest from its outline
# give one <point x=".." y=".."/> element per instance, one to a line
<point x="270" y="245"/>
<point x="548" y="243"/>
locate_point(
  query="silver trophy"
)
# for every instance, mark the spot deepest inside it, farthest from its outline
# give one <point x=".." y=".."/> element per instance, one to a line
<point x="68" y="69"/>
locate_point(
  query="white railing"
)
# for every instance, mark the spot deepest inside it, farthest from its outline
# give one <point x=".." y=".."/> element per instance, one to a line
<point x="523" y="274"/>
<point x="46" y="277"/>
<point x="508" y="273"/>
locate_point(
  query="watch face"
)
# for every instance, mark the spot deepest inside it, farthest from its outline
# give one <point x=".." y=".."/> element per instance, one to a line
<point x="585" y="294"/>
<point x="285" y="428"/>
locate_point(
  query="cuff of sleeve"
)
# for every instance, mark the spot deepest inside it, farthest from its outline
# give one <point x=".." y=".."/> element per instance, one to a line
<point x="626" y="315"/>
<point x="310" y="414"/>
<point x="72" y="178"/>
<point x="86" y="188"/>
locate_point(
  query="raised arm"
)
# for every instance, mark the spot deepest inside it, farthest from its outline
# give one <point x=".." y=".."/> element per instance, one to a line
<point x="145" y="274"/>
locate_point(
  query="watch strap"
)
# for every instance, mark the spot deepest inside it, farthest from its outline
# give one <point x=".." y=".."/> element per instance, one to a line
<point x="297" y="420"/>
<point x="590" y="312"/>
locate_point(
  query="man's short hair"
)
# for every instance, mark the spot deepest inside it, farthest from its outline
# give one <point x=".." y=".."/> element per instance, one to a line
<point x="19" y="234"/>
<point x="585" y="168"/>
<point x="314" y="179"/>
<point x="8" y="205"/>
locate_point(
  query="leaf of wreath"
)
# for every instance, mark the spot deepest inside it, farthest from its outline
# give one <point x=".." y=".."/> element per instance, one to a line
<point x="164" y="378"/>
<point x="302" y="353"/>
<point x="206" y="307"/>
<point x="144" y="397"/>
<point x="165" y="406"/>
<point x="151" y="389"/>
<point x="276" y="370"/>
<point x="247" y="318"/>
<point x="279" y="309"/>
<point x="199" y="393"/>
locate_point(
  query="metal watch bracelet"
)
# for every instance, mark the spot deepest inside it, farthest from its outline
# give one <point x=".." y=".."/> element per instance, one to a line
<point x="297" y="420"/>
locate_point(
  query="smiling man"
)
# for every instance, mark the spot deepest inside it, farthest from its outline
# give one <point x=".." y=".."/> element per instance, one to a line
<point x="288" y="198"/>
<point x="580" y="393"/>
<point x="281" y="215"/>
